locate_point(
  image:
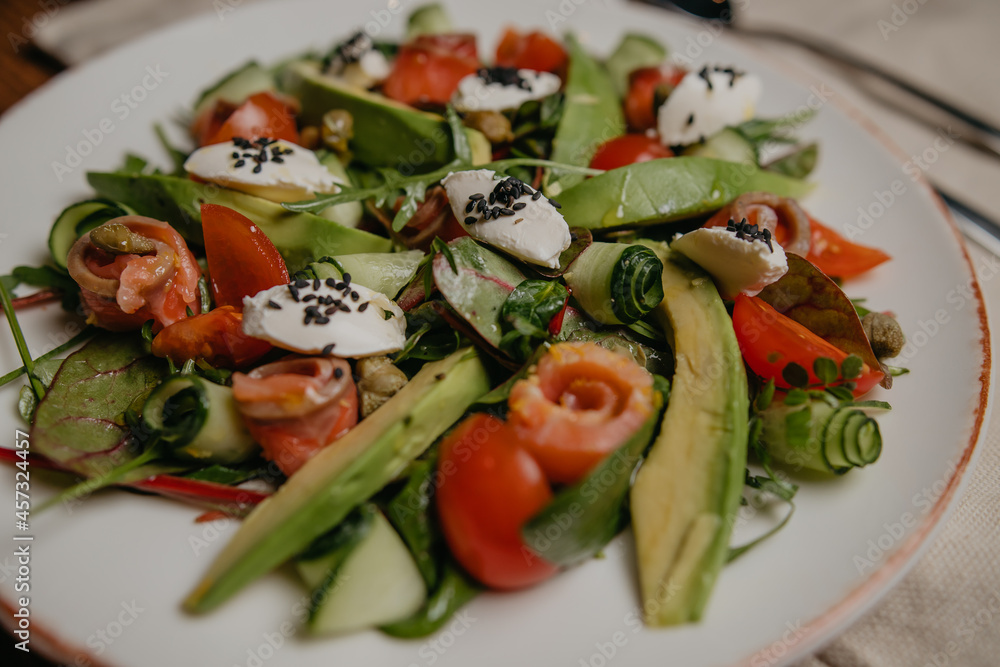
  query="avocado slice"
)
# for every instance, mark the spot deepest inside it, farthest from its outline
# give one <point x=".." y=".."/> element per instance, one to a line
<point x="299" y="237"/>
<point x="687" y="492"/>
<point x="386" y="132"/>
<point x="338" y="478"/>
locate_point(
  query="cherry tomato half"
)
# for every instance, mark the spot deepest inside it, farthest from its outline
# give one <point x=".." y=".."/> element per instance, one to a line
<point x="261" y="115"/>
<point x="836" y="256"/>
<point x="530" y="50"/>
<point x="640" y="101"/>
<point x="770" y="341"/>
<point x="489" y="488"/>
<point x="216" y="336"/>
<point x="241" y="259"/>
<point x="628" y="149"/>
<point x="427" y="70"/>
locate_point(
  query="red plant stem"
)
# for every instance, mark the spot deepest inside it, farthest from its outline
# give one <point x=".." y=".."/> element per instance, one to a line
<point x="39" y="297"/>
<point x="180" y="488"/>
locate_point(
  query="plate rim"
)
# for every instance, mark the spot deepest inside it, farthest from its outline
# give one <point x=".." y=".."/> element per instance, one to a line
<point x="826" y="626"/>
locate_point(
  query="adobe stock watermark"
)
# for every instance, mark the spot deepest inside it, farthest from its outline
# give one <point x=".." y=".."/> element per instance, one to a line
<point x="900" y="14"/>
<point x="102" y="638"/>
<point x="913" y="168"/>
<point x="30" y="25"/>
<point x="121" y="107"/>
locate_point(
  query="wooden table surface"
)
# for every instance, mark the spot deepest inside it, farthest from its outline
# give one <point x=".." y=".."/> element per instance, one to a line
<point x="23" y="67"/>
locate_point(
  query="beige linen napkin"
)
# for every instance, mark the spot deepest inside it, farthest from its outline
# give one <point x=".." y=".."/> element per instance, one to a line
<point x="946" y="611"/>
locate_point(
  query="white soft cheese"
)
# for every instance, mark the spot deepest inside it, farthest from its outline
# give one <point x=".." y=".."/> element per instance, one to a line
<point x="536" y="233"/>
<point x="736" y="265"/>
<point x="705" y="102"/>
<point x="474" y="94"/>
<point x="296" y="174"/>
<point x="363" y="330"/>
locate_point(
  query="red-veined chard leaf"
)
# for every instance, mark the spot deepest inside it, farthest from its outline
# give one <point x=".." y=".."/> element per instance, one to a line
<point x="809" y="297"/>
<point x="478" y="287"/>
<point x="80" y="423"/>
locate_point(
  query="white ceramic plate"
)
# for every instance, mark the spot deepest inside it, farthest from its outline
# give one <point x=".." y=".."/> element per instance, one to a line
<point x="107" y="581"/>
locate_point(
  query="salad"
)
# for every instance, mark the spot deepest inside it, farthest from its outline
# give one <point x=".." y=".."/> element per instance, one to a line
<point x="432" y="323"/>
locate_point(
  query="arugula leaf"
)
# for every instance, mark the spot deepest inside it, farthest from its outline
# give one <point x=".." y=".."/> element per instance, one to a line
<point x="22" y="346"/>
<point x="394" y="183"/>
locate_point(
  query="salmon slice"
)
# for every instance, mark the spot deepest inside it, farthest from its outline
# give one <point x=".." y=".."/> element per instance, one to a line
<point x="582" y="403"/>
<point x="297" y="406"/>
<point x="121" y="292"/>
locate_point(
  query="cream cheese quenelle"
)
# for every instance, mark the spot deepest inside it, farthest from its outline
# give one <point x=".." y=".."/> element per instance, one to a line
<point x="740" y="258"/>
<point x="508" y="215"/>
<point x="705" y="102"/>
<point x="329" y="317"/>
<point x="503" y="88"/>
<point x="271" y="169"/>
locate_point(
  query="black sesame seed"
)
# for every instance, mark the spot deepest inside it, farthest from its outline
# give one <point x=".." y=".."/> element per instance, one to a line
<point x="690" y="120"/>
<point x="344" y="308"/>
<point x="330" y="282"/>
<point x="316" y="283"/>
<point x="468" y="207"/>
<point x="481" y="205"/>
<point x="338" y="372"/>
<point x="363" y="307"/>
<point x="340" y="286"/>
<point x="493" y="198"/>
<point x="326" y="352"/>
<point x="470" y="220"/>
<point x="236" y="155"/>
<point x="476" y="197"/>
<point x="239" y="163"/>
<point x="322" y="319"/>
<point x="555" y="203"/>
<point x="526" y="189"/>
<point x="308" y="297"/>
<point x="256" y="169"/>
<point x="301" y="283"/>
<point x="347" y="278"/>
<point x="278" y="160"/>
<point x="294" y="292"/>
<point x="487" y="213"/>
<point x="273" y="304"/>
<point x="518" y="206"/>
<point x="536" y="195"/>
<point x="355" y="296"/>
<point x="312" y="310"/>
<point x="506" y="211"/>
<point x="330" y="311"/>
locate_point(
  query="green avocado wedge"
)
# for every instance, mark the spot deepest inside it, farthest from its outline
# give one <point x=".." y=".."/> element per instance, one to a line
<point x="688" y="490"/>
<point x="668" y="189"/>
<point x="339" y="478"/>
<point x="386" y="132"/>
<point x="299" y="237"/>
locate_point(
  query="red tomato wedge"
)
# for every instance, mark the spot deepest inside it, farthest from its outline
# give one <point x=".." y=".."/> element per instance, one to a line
<point x="427" y="70"/>
<point x="836" y="256"/>
<point x="261" y="115"/>
<point x="297" y="406"/>
<point x="770" y="341"/>
<point x="122" y="292"/>
<point x="628" y="149"/>
<point x="581" y="404"/>
<point x="640" y="101"/>
<point x="531" y="50"/>
<point x="489" y="488"/>
<point x="216" y="336"/>
<point x="242" y="261"/>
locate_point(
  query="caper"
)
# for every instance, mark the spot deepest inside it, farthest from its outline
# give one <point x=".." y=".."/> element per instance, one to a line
<point x="337" y="129"/>
<point x="493" y="124"/>
<point x="884" y="333"/>
<point x="117" y="239"/>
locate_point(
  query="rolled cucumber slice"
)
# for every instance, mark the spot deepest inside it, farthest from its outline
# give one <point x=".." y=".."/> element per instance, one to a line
<point x="377" y="583"/>
<point x="199" y="419"/>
